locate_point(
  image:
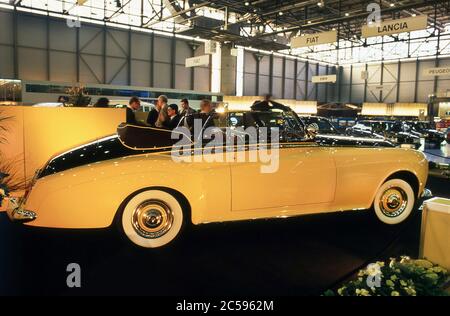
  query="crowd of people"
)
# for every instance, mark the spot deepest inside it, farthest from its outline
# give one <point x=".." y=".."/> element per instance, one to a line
<point x="171" y="116"/>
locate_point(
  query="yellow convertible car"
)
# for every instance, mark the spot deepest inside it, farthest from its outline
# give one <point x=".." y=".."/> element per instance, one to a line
<point x="133" y="180"/>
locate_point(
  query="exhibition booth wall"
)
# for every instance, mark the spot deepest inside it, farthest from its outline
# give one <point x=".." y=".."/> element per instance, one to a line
<point x="31" y="135"/>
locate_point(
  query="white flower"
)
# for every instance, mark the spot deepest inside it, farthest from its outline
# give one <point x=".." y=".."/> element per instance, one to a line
<point x="373" y="269"/>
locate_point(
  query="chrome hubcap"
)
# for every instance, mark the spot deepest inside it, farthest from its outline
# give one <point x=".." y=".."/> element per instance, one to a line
<point x="393" y="201"/>
<point x="152" y="219"/>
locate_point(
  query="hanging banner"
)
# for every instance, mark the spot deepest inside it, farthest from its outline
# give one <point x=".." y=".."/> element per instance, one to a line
<point x="438" y="71"/>
<point x="395" y="26"/>
<point x="314" y="39"/>
<point x="198" y="61"/>
<point x="323" y="79"/>
<point x="379" y="88"/>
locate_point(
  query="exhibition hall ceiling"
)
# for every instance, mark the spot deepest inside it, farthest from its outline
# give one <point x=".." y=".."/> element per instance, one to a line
<point x="272" y="25"/>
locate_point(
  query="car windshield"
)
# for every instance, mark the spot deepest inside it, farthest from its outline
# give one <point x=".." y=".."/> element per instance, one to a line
<point x="290" y="127"/>
<point x="323" y="125"/>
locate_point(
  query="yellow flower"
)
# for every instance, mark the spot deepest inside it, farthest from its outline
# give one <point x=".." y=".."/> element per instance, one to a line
<point x="395" y="293"/>
<point x="390" y="283"/>
<point x="403" y="283"/>
<point x="394" y="277"/>
<point x="423" y="263"/>
<point x="364" y="292"/>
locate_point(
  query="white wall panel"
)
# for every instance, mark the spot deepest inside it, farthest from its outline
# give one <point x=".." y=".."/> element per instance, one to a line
<point x="6" y="62"/>
<point x="182" y="78"/>
<point x="140" y="73"/>
<point x="141" y="46"/>
<point x="6" y="24"/>
<point x="32" y="31"/>
<point x="162" y="75"/>
<point x="32" y="64"/>
<point x="63" y="66"/>
<point x="163" y="49"/>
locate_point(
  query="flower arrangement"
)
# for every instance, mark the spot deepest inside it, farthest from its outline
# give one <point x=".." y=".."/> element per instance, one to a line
<point x="78" y="96"/>
<point x="404" y="277"/>
<point x="4" y="191"/>
<point x="9" y="180"/>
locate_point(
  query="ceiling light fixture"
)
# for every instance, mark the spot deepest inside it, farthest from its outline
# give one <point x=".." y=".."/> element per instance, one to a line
<point x="280" y="13"/>
<point x="347" y="14"/>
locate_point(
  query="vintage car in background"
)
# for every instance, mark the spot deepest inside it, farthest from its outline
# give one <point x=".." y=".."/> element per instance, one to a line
<point x="396" y="132"/>
<point x="327" y="134"/>
<point x="137" y="181"/>
<point x="427" y="130"/>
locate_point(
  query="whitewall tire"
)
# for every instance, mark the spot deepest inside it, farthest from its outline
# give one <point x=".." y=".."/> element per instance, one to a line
<point x="152" y="218"/>
<point x="394" y="201"/>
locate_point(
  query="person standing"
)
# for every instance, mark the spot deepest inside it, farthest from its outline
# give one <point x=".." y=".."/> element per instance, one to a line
<point x="174" y="117"/>
<point x="153" y="115"/>
<point x="163" y="117"/>
<point x="185" y="108"/>
<point x="102" y="103"/>
<point x="133" y="105"/>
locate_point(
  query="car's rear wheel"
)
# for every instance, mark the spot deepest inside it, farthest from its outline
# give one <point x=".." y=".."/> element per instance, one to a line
<point x="394" y="201"/>
<point x="152" y="218"/>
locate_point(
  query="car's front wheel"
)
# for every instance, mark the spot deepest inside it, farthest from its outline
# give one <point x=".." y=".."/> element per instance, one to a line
<point x="152" y="218"/>
<point x="394" y="201"/>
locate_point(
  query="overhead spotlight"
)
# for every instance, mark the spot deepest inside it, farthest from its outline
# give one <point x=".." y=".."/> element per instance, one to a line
<point x="247" y="3"/>
<point x="280" y="13"/>
<point x="274" y="39"/>
<point x="333" y="29"/>
<point x="309" y="22"/>
<point x="254" y="10"/>
<point x="413" y="14"/>
<point x="321" y="3"/>
<point x="392" y="5"/>
<point x="347" y="14"/>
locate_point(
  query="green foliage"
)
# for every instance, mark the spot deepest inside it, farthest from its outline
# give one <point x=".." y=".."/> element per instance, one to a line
<point x="406" y="277"/>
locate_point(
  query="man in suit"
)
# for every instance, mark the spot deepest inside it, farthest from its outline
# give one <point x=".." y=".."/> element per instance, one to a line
<point x="185" y="108"/>
<point x="133" y="106"/>
<point x="163" y="117"/>
<point x="174" y="117"/>
<point x="153" y="115"/>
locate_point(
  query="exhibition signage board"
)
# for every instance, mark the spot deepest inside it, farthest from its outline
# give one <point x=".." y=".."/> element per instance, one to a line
<point x="438" y="71"/>
<point x="324" y="79"/>
<point x="378" y="88"/>
<point x="314" y="39"/>
<point x="395" y="26"/>
<point x="202" y="60"/>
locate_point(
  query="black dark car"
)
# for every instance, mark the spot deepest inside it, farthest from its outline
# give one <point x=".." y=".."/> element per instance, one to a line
<point x="427" y="130"/>
<point x="396" y="132"/>
<point x="327" y="134"/>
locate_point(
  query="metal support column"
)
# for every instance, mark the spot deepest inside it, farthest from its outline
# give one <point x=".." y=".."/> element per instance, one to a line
<point x="350" y="85"/>
<point x="105" y="33"/>
<point x="399" y="67"/>
<point x="381" y="81"/>
<point x="152" y="59"/>
<point x="326" y="84"/>
<point x="317" y="85"/>
<point x="283" y="79"/>
<point x="15" y="48"/>
<point x="173" y="62"/>
<point x="129" y="57"/>
<point x="416" y="80"/>
<point x="47" y="31"/>
<point x="366" y="77"/>
<point x="295" y="78"/>
<point x="306" y="79"/>
<point x="271" y="73"/>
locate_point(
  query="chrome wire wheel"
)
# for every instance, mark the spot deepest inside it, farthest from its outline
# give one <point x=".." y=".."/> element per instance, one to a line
<point x="393" y="201"/>
<point x="152" y="219"/>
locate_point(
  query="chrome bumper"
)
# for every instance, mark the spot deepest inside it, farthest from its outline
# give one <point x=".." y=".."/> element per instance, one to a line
<point x="17" y="214"/>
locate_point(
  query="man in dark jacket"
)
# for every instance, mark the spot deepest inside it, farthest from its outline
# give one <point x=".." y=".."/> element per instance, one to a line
<point x="174" y="117"/>
<point x="133" y="106"/>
